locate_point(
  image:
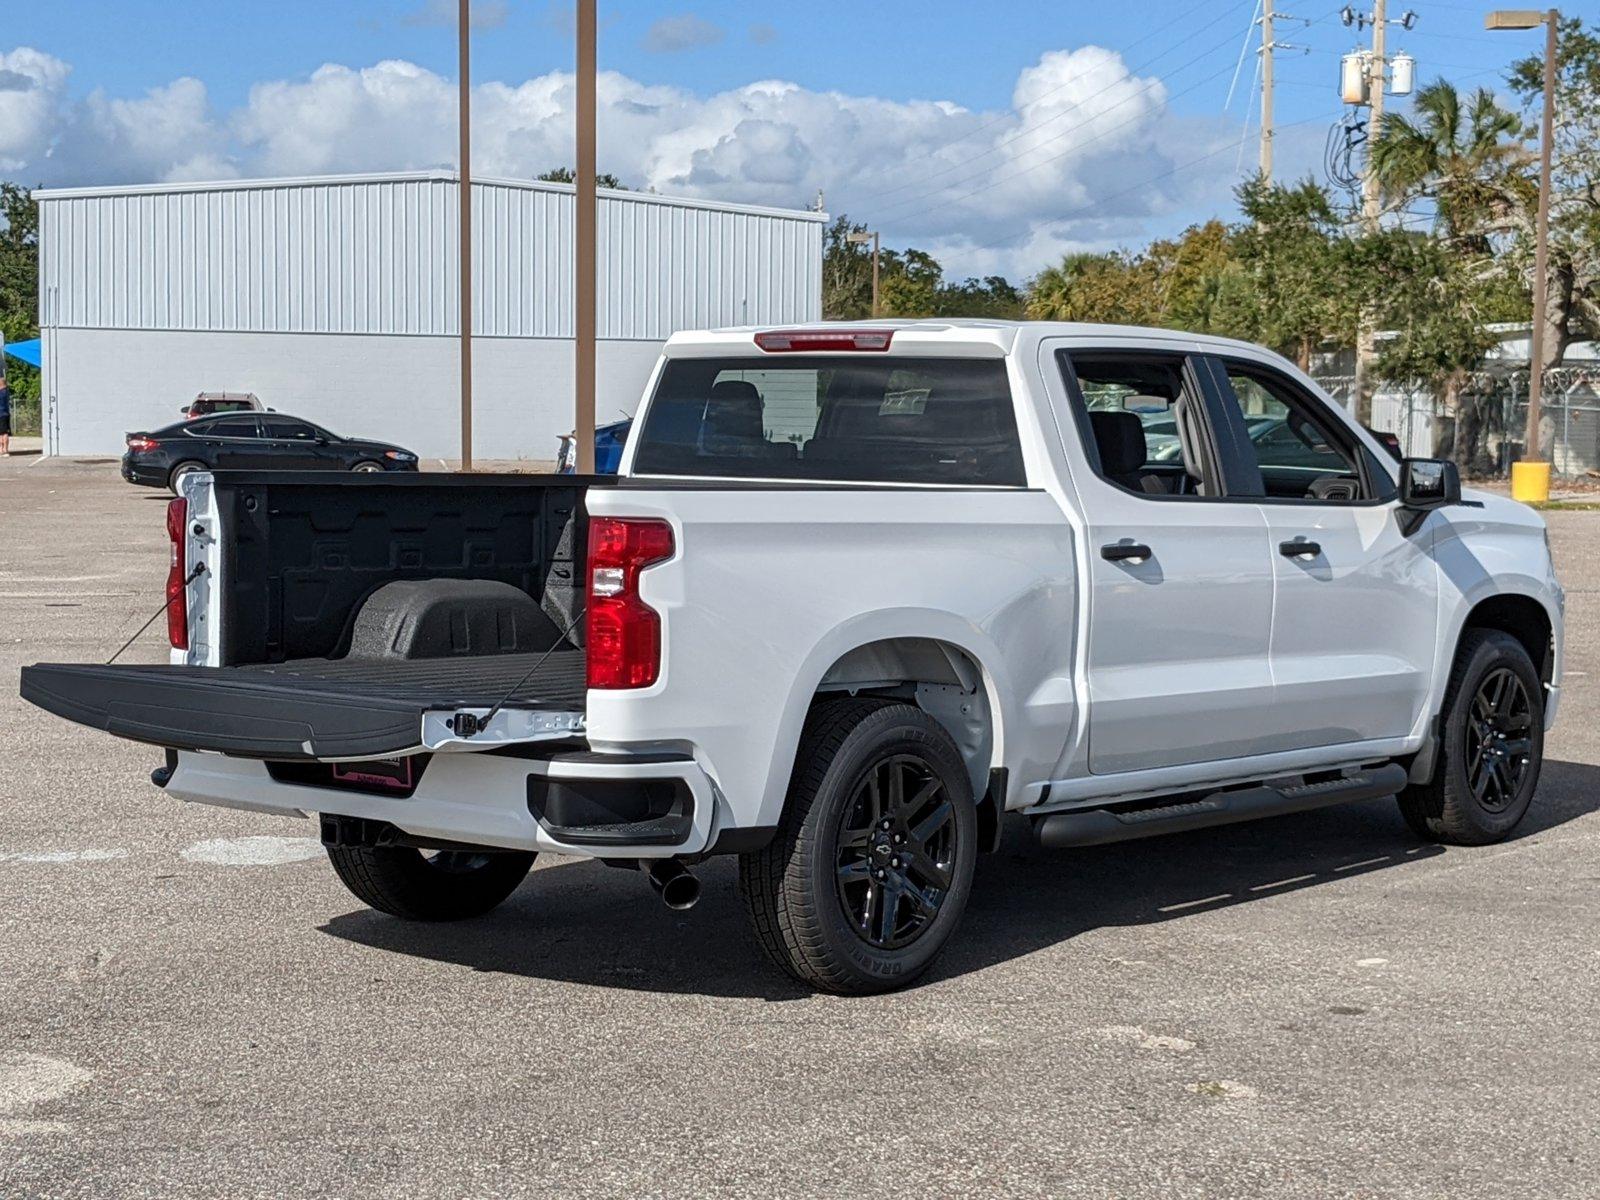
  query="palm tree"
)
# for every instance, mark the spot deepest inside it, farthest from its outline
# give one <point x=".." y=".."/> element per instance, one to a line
<point x="1464" y="156"/>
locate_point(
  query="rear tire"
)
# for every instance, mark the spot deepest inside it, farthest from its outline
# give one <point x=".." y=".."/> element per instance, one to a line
<point x="445" y="885"/>
<point x="179" y="471"/>
<point x="872" y="863"/>
<point x="1491" y="745"/>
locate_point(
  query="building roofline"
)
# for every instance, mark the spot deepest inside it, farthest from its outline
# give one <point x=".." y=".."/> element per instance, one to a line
<point x="427" y="176"/>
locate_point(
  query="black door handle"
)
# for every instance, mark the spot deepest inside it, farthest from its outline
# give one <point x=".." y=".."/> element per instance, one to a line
<point x="1299" y="548"/>
<point x="1125" y="552"/>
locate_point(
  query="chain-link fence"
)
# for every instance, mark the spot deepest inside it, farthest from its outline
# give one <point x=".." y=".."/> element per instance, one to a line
<point x="1492" y="412"/>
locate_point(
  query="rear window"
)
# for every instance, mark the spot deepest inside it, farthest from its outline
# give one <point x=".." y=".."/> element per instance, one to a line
<point x="814" y="417"/>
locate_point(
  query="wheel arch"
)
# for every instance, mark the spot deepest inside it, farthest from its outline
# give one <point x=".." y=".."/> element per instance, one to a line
<point x="940" y="663"/>
<point x="1523" y="617"/>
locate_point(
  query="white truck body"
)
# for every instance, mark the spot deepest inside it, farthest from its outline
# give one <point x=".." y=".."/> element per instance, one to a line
<point x="1086" y="639"/>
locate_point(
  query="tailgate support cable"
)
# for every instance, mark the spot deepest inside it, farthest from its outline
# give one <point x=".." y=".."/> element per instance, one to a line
<point x="465" y="724"/>
<point x="199" y="570"/>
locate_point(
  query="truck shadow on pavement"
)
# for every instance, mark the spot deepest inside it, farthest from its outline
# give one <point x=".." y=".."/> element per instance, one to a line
<point x="589" y="924"/>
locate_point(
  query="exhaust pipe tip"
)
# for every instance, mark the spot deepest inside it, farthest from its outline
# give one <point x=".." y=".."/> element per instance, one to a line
<point x="674" y="883"/>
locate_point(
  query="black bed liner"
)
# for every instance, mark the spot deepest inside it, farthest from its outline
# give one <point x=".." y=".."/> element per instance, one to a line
<point x="303" y="709"/>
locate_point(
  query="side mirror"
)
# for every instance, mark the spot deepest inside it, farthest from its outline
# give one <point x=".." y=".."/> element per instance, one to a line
<point x="1428" y="483"/>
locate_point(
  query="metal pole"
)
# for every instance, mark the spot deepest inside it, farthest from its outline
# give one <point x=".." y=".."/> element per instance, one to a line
<point x="875" y="242"/>
<point x="1266" y="91"/>
<point x="585" y="295"/>
<point x="1541" y="243"/>
<point x="464" y="204"/>
<point x="1371" y="205"/>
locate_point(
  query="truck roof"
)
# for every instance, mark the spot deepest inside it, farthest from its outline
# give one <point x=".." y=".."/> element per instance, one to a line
<point x="950" y="333"/>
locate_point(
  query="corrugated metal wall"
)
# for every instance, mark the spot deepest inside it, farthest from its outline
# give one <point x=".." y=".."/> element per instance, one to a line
<point x="377" y="255"/>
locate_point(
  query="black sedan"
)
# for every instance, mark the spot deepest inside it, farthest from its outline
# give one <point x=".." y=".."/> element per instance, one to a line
<point x="251" y="441"/>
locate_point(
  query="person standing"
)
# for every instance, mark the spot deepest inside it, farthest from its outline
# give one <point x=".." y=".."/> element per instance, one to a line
<point x="5" y="418"/>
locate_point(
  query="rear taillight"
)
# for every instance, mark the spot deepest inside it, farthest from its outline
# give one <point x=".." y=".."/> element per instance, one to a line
<point x="139" y="443"/>
<point x="624" y="633"/>
<point x="177" y="602"/>
<point x="795" y="341"/>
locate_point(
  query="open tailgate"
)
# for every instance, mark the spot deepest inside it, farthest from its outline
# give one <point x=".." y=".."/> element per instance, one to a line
<point x="328" y="709"/>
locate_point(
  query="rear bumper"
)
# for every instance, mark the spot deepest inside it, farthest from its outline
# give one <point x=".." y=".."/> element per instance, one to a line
<point x="143" y="473"/>
<point x="483" y="799"/>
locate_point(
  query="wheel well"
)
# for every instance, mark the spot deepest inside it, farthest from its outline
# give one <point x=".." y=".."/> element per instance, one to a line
<point x="1525" y="619"/>
<point x="941" y="679"/>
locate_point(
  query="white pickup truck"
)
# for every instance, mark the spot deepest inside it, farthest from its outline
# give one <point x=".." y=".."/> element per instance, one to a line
<point x="858" y="592"/>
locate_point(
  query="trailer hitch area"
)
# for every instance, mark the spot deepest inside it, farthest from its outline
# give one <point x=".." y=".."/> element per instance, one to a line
<point x="466" y="724"/>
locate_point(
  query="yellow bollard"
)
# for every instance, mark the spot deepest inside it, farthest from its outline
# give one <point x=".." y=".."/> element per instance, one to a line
<point x="1530" y="482"/>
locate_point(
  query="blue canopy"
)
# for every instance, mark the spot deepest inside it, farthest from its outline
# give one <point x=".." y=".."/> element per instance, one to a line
<point x="28" y="352"/>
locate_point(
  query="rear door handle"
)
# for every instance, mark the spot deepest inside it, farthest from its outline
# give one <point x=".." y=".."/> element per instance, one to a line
<point x="1125" y="552"/>
<point x="1299" y="548"/>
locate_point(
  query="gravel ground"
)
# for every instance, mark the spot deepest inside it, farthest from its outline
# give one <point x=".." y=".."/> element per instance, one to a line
<point x="191" y="1005"/>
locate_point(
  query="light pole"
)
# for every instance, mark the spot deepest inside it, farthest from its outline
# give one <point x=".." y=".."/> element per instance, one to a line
<point x="861" y="237"/>
<point x="586" y="249"/>
<point x="464" y="231"/>
<point x="1530" y="19"/>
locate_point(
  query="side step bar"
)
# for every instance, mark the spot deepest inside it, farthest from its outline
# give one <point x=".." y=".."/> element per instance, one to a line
<point x="1101" y="826"/>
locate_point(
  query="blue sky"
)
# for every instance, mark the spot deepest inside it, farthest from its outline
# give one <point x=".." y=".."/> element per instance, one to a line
<point x="998" y="134"/>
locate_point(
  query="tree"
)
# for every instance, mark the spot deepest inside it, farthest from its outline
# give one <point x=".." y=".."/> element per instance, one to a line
<point x="1290" y="254"/>
<point x="1573" y="296"/>
<point x="566" y="175"/>
<point x="1432" y="301"/>
<point x="1114" y="288"/>
<point x="1463" y="156"/>
<point x="19" y="291"/>
<point x="911" y="283"/>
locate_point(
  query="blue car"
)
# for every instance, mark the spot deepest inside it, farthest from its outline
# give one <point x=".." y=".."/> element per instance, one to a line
<point x="608" y="443"/>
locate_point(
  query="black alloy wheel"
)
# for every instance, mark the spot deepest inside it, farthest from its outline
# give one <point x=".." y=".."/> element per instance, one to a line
<point x="897" y="851"/>
<point x="1498" y="740"/>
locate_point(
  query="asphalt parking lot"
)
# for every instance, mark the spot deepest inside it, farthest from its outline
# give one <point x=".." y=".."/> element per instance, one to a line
<point x="191" y="1004"/>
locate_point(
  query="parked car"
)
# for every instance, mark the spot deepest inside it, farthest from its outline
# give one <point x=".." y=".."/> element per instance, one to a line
<point x="608" y="443"/>
<point x="249" y="441"/>
<point x="207" y="403"/>
<point x="859" y="593"/>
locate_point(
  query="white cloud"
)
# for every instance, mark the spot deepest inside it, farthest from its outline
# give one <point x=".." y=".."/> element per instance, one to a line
<point x="685" y="32"/>
<point x="1083" y="156"/>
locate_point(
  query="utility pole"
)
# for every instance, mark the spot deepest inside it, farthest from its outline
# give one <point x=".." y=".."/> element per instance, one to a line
<point x="585" y="293"/>
<point x="1371" y="206"/>
<point x="464" y="204"/>
<point x="1267" y="48"/>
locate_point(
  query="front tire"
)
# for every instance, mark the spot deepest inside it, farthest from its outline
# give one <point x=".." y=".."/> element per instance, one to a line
<point x="367" y="467"/>
<point x="444" y="885"/>
<point x="872" y="863"/>
<point x="1491" y="745"/>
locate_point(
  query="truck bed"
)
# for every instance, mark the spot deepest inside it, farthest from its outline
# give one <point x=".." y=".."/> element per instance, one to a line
<point x="302" y="709"/>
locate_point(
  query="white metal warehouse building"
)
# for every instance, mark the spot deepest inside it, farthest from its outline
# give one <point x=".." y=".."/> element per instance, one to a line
<point x="335" y="299"/>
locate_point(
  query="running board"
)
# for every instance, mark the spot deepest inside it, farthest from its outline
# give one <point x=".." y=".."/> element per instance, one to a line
<point x="1100" y="826"/>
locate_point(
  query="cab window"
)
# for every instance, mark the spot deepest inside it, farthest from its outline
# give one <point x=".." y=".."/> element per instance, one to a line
<point x="1302" y="452"/>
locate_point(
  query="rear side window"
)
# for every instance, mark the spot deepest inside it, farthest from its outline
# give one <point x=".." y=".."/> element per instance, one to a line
<point x="228" y="427"/>
<point x="831" y="418"/>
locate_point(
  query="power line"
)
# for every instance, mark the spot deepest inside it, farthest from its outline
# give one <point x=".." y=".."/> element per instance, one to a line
<point x="912" y="212"/>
